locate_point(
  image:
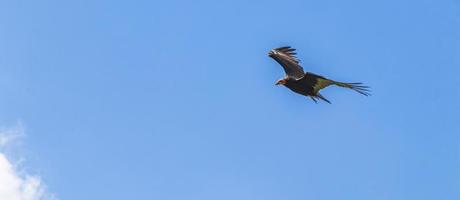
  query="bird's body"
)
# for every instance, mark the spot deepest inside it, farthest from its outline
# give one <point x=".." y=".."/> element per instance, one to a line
<point x="307" y="84"/>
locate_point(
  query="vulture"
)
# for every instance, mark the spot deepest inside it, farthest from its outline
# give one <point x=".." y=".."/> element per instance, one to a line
<point x="306" y="83"/>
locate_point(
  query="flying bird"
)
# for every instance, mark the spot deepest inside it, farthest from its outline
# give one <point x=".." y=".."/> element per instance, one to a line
<point x="307" y="83"/>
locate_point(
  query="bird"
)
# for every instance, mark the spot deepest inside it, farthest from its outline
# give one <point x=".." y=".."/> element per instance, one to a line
<point x="307" y="83"/>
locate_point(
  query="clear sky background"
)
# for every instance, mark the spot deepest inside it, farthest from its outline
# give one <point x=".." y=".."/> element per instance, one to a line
<point x="173" y="100"/>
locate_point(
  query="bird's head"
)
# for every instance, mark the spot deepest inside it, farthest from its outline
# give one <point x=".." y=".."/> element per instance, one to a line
<point x="281" y="82"/>
<point x="271" y="53"/>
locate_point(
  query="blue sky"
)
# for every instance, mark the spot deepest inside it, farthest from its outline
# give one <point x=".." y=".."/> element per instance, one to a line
<point x="176" y="99"/>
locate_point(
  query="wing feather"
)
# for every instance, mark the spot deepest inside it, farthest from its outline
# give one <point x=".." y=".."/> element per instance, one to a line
<point x="285" y="56"/>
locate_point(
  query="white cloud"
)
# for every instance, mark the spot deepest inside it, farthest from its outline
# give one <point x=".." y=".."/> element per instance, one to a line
<point x="15" y="185"/>
<point x="8" y="135"/>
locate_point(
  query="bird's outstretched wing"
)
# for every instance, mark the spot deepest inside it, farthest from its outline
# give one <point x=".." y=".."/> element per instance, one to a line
<point x="285" y="56"/>
<point x="319" y="82"/>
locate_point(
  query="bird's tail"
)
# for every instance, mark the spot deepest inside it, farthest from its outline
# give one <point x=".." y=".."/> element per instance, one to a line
<point x="358" y="87"/>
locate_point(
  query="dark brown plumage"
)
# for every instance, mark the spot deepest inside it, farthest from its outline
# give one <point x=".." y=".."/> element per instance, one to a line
<point x="307" y="84"/>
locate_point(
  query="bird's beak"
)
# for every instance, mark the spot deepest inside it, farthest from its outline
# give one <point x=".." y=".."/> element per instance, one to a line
<point x="280" y="82"/>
